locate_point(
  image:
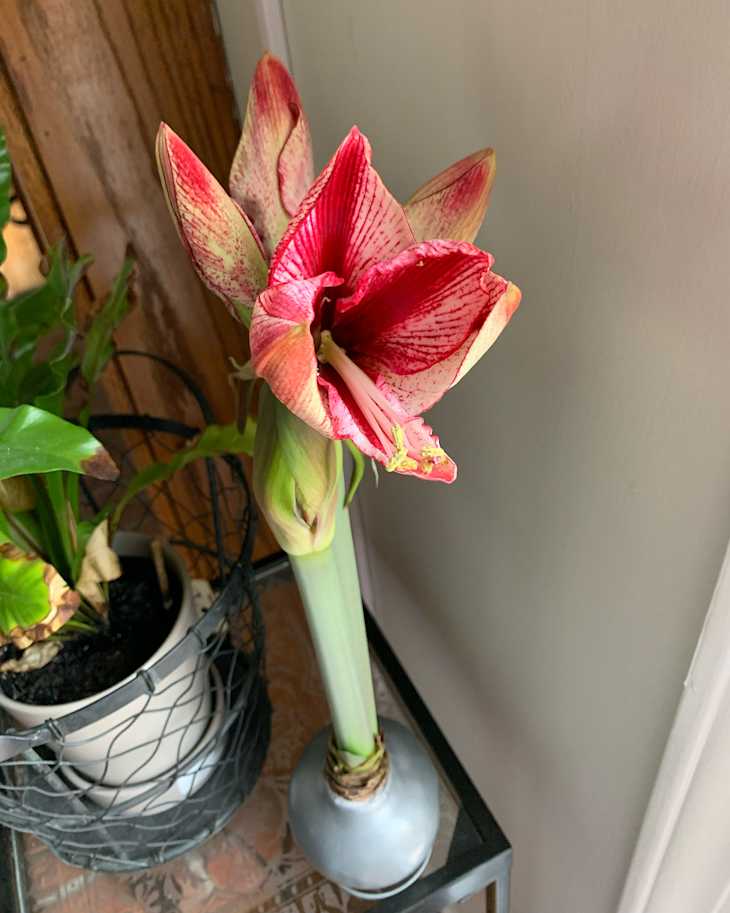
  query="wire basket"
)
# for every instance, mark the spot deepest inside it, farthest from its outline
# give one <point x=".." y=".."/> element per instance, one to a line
<point x="206" y="696"/>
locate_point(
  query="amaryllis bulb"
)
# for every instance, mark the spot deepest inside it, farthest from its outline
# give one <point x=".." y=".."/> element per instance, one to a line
<point x="296" y="478"/>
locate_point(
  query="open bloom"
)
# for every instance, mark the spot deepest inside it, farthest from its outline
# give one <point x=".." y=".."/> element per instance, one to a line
<point x="362" y="315"/>
<point x="361" y="329"/>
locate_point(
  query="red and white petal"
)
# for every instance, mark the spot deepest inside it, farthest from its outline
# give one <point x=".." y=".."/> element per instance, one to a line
<point x="272" y="169"/>
<point x="439" y="467"/>
<point x="347" y="222"/>
<point x="453" y="204"/>
<point x="422" y="319"/>
<point x="413" y="311"/>
<point x="282" y="347"/>
<point x="219" y="239"/>
<point x="418" y="392"/>
<point x="372" y="429"/>
<point x="498" y="318"/>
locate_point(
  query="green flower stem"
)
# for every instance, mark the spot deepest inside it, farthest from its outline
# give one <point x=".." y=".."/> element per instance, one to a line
<point x="334" y="613"/>
<point x="344" y="549"/>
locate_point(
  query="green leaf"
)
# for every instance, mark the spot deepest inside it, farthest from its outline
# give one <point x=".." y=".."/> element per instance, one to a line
<point x="216" y="440"/>
<point x="34" y="599"/>
<point x="358" y="471"/>
<point x="41" y="315"/>
<point x="44" y="383"/>
<point x="23" y="530"/>
<point x="6" y="176"/>
<point x="41" y="309"/>
<point x="62" y="519"/>
<point x="249" y="435"/>
<point x="98" y="346"/>
<point x="32" y="441"/>
<point x="50" y="529"/>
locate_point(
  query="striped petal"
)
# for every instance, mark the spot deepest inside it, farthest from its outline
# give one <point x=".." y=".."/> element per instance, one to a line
<point x="347" y="222"/>
<point x="453" y="204"/>
<point x="218" y="237"/>
<point x="420" y="321"/>
<point x="282" y="346"/>
<point x="272" y="169"/>
<point x="371" y="416"/>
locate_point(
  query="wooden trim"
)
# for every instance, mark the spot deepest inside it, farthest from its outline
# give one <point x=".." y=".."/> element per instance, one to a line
<point x="83" y="88"/>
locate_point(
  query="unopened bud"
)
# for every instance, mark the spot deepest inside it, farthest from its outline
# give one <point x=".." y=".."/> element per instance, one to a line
<point x="296" y="478"/>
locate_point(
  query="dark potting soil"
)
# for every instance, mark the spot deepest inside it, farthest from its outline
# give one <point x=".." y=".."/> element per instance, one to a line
<point x="138" y="625"/>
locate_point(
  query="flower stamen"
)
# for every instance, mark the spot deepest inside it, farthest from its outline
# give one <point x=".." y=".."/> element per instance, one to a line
<point x="382" y="417"/>
<point x="400" y="459"/>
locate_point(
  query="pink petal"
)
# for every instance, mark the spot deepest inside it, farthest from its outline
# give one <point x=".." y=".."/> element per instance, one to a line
<point x="347" y="222"/>
<point x="421" y="390"/>
<point x="421" y="320"/>
<point x="497" y="320"/>
<point x="219" y="239"/>
<point x="282" y="347"/>
<point x="453" y="204"/>
<point x="349" y="421"/>
<point x="272" y="168"/>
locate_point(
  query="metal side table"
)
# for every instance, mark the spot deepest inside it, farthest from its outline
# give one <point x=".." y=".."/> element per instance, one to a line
<point x="253" y="865"/>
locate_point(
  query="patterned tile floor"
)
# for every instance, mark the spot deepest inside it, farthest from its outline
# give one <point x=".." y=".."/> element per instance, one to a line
<point x="253" y="864"/>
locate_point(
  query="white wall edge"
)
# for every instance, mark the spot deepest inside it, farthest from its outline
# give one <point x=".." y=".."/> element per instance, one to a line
<point x="270" y="16"/>
<point x="705" y="687"/>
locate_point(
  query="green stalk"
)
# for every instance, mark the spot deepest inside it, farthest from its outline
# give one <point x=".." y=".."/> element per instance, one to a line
<point x="336" y="623"/>
<point x="344" y="549"/>
<point x="77" y="624"/>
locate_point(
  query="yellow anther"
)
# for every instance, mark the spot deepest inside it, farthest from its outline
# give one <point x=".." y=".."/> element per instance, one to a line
<point x="434" y="454"/>
<point x="400" y="459"/>
<point x="430" y="457"/>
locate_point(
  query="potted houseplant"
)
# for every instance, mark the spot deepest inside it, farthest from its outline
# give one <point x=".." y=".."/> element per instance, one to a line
<point x="84" y="607"/>
<point x="361" y="313"/>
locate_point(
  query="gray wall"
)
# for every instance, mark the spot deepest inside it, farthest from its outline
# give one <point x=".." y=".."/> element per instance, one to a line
<point x="548" y="603"/>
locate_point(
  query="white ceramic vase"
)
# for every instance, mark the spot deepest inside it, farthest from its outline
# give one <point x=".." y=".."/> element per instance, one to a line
<point x="153" y="733"/>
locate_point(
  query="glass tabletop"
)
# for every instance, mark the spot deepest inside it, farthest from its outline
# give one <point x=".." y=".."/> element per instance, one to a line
<point x="253" y="864"/>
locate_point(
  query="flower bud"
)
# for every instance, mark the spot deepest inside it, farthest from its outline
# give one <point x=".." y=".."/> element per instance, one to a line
<point x="296" y="478"/>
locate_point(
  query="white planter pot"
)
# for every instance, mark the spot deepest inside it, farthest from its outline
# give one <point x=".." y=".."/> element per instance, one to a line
<point x="155" y="796"/>
<point x="151" y="734"/>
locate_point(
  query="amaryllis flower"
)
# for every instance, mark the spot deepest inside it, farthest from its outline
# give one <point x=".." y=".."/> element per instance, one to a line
<point x="361" y="329"/>
<point x="363" y="315"/>
<point x="231" y="238"/>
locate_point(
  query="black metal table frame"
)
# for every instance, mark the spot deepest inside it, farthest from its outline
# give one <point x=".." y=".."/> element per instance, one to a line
<point x="480" y="856"/>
